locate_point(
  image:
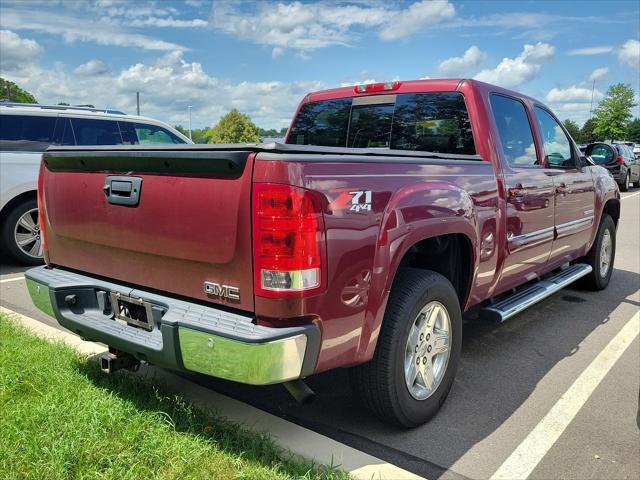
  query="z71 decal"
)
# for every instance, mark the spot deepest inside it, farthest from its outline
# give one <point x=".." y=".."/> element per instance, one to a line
<point x="352" y="200"/>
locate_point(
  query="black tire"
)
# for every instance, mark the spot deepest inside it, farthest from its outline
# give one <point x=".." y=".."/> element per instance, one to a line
<point x="624" y="187"/>
<point x="596" y="280"/>
<point x="636" y="184"/>
<point x="380" y="384"/>
<point x="8" y="233"/>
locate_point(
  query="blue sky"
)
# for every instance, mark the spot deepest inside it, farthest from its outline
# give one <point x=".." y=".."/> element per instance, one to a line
<point x="262" y="57"/>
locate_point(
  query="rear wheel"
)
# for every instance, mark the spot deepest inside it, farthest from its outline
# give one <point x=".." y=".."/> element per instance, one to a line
<point x="624" y="186"/>
<point x="601" y="256"/>
<point x="417" y="353"/>
<point x="21" y="233"/>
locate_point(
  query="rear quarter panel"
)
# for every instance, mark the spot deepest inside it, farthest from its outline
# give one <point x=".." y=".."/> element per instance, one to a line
<point x="409" y="202"/>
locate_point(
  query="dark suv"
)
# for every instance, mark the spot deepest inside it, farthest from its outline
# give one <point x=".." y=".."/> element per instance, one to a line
<point x="619" y="159"/>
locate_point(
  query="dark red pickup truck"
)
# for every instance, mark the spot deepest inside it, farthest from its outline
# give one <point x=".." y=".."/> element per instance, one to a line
<point x="391" y="209"/>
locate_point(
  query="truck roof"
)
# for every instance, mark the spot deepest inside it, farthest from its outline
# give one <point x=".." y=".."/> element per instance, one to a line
<point x="412" y="86"/>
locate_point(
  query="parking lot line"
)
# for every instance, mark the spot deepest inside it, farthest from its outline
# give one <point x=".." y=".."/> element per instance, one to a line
<point x="12" y="279"/>
<point x="535" y="446"/>
<point x="629" y="196"/>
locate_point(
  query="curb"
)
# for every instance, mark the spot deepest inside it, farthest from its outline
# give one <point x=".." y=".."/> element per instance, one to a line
<point x="294" y="438"/>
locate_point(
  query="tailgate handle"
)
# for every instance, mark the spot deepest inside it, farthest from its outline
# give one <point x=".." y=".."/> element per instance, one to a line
<point x="123" y="190"/>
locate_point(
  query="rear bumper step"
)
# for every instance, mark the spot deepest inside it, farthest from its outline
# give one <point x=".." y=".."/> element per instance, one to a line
<point x="516" y="303"/>
<point x="182" y="335"/>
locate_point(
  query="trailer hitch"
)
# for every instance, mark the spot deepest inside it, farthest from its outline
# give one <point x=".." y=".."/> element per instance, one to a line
<point x="115" y="360"/>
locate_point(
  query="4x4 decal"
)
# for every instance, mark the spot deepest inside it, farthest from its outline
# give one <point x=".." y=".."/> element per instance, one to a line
<point x="352" y="200"/>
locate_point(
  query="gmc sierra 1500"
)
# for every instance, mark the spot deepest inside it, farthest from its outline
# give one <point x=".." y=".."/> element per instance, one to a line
<point x="391" y="209"/>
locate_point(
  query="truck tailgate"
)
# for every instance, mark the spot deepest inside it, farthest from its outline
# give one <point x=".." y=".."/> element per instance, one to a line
<point x="166" y="220"/>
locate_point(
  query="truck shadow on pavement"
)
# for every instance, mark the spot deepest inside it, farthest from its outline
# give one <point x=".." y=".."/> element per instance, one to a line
<point x="501" y="366"/>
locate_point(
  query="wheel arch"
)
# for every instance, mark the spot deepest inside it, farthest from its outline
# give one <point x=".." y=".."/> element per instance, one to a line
<point x="17" y="200"/>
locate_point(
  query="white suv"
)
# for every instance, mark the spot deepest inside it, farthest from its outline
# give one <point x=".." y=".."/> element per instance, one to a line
<point x="26" y="131"/>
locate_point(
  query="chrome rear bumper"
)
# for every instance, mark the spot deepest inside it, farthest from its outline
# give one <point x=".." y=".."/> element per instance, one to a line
<point x="185" y="336"/>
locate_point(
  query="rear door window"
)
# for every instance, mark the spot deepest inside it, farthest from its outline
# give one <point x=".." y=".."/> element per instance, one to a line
<point x="434" y="122"/>
<point x="514" y="130"/>
<point x="89" y="131"/>
<point x="26" y="133"/>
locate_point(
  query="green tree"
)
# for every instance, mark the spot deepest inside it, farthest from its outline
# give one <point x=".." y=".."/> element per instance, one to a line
<point x="633" y="131"/>
<point x="10" y="92"/>
<point x="272" y="132"/>
<point x="573" y="129"/>
<point x="613" y="113"/>
<point x="198" y="135"/>
<point x="234" y="127"/>
<point x="586" y="132"/>
<point x="63" y="104"/>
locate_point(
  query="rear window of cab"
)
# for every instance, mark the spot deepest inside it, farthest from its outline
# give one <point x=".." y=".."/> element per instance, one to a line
<point x="433" y="122"/>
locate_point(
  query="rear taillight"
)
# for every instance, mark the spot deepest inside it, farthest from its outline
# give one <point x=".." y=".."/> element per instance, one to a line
<point x="288" y="241"/>
<point x="620" y="160"/>
<point x="42" y="214"/>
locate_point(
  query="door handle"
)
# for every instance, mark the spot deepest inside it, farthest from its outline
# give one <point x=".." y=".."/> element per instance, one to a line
<point x="122" y="190"/>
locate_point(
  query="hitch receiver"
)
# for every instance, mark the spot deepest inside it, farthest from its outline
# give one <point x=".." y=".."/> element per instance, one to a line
<point x="115" y="360"/>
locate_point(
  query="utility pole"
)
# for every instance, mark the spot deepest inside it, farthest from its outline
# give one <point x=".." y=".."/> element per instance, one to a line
<point x="593" y="88"/>
<point x="189" y="108"/>
<point x="138" y="103"/>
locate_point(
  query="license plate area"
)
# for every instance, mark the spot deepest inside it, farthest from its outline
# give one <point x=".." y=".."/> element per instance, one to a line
<point x="134" y="311"/>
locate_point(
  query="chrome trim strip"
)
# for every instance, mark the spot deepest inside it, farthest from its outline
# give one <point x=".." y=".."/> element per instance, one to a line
<point x="535" y="233"/>
<point x="250" y="363"/>
<point x="574" y="226"/>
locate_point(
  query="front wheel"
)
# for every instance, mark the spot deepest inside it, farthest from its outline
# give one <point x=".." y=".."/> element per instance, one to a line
<point x="601" y="256"/>
<point x="417" y="353"/>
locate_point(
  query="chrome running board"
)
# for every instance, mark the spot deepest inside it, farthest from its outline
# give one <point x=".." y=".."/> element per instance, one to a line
<point x="519" y="301"/>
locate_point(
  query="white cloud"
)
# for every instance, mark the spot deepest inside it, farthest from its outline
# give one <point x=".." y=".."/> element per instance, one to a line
<point x="277" y="52"/>
<point x="511" y="72"/>
<point x="16" y="50"/>
<point x="460" y="66"/>
<point x="92" y="68"/>
<point x="418" y="16"/>
<point x="598" y="74"/>
<point x="310" y="26"/>
<point x="166" y="85"/>
<point x="573" y="94"/>
<point x="74" y="27"/>
<point x="629" y="53"/>
<point x="167" y="22"/>
<point x="590" y="50"/>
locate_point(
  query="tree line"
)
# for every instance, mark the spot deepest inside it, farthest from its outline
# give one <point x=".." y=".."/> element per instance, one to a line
<point x="611" y="120"/>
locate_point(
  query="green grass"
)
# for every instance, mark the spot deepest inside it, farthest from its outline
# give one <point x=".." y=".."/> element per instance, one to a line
<point x="61" y="418"/>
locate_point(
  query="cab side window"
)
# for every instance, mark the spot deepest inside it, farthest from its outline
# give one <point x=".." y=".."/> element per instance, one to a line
<point x="557" y="147"/>
<point x="515" y="133"/>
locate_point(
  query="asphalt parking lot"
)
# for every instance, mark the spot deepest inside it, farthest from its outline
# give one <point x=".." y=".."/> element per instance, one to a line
<point x="521" y="385"/>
